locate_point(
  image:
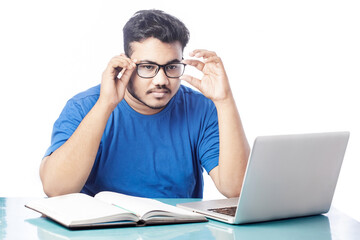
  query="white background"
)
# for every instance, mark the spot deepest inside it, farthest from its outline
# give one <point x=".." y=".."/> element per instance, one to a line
<point x="293" y="67"/>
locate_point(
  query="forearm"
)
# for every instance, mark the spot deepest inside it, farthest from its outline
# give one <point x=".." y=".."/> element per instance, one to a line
<point x="67" y="169"/>
<point x="234" y="148"/>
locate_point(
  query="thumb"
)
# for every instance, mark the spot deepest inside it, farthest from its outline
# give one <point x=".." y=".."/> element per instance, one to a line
<point x="192" y="81"/>
<point x="125" y="75"/>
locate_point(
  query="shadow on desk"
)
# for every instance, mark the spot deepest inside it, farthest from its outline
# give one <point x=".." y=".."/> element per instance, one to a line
<point x="47" y="229"/>
<point x="316" y="227"/>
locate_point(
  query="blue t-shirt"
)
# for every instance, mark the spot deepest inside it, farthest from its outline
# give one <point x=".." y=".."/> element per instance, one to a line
<point x="160" y="155"/>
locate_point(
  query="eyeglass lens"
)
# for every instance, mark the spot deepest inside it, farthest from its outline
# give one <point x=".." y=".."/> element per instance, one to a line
<point x="149" y="70"/>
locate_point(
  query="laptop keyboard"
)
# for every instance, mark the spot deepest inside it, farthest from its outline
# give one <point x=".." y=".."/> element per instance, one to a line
<point x="230" y="211"/>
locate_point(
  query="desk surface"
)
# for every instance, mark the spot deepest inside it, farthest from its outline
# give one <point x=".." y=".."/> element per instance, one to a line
<point x="18" y="222"/>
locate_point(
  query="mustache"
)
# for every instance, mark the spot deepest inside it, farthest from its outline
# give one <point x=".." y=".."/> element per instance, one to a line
<point x="157" y="88"/>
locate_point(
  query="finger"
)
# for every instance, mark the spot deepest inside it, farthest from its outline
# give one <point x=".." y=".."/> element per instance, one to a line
<point x="213" y="59"/>
<point x="125" y="77"/>
<point x="131" y="61"/>
<point x="202" y="53"/>
<point x="195" y="63"/>
<point x="122" y="61"/>
<point x="131" y="65"/>
<point x="117" y="65"/>
<point x="191" y="80"/>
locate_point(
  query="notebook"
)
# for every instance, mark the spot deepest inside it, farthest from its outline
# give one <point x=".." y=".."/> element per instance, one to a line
<point x="287" y="176"/>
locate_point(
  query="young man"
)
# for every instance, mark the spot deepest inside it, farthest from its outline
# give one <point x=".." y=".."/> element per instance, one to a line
<point x="141" y="132"/>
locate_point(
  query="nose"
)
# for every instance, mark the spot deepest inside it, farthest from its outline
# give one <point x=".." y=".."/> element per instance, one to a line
<point x="160" y="78"/>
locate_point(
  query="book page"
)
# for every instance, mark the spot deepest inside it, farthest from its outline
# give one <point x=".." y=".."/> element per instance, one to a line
<point x="144" y="206"/>
<point x="79" y="208"/>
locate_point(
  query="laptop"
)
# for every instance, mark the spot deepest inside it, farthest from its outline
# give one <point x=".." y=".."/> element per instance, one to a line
<point x="287" y="176"/>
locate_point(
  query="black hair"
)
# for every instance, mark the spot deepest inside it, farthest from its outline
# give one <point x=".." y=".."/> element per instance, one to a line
<point x="154" y="23"/>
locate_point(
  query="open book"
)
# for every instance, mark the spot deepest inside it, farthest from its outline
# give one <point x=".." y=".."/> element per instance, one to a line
<point x="78" y="210"/>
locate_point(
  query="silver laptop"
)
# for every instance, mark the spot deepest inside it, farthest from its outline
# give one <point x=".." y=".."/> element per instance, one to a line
<point x="287" y="176"/>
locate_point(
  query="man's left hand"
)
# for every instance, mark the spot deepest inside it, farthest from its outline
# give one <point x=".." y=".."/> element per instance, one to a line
<point x="214" y="83"/>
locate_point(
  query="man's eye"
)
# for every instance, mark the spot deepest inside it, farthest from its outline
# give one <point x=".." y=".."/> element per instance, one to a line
<point x="148" y="67"/>
<point x="171" y="67"/>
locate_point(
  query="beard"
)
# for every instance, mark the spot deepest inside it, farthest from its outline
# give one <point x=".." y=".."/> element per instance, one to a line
<point x="131" y="90"/>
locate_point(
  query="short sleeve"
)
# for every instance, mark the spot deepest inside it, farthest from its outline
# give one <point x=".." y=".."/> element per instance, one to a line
<point x="208" y="148"/>
<point x="65" y="125"/>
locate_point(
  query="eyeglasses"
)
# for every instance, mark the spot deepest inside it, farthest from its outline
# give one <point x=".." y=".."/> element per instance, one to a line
<point x="149" y="70"/>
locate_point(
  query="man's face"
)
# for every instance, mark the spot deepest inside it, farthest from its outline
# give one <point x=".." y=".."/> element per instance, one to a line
<point x="151" y="95"/>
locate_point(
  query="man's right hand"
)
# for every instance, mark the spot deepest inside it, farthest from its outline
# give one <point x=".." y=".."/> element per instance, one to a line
<point x="113" y="87"/>
<point x="67" y="169"/>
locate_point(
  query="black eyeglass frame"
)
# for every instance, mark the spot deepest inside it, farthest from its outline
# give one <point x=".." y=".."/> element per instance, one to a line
<point x="158" y="69"/>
